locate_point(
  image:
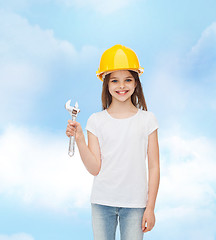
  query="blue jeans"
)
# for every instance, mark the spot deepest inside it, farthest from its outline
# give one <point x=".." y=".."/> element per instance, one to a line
<point x="105" y="220"/>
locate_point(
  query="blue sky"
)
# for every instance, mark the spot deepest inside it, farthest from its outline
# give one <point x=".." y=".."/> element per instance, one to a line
<point x="49" y="53"/>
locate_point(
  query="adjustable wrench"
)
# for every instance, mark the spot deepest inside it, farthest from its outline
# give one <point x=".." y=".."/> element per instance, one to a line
<point x="73" y="112"/>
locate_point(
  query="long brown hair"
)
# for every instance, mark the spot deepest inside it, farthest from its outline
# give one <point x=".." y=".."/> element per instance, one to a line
<point x="137" y="98"/>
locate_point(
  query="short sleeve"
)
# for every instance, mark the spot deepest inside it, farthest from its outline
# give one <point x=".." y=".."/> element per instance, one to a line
<point x="152" y="123"/>
<point x="91" y="124"/>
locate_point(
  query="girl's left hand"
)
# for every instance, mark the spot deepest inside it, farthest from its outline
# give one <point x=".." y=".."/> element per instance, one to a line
<point x="149" y="218"/>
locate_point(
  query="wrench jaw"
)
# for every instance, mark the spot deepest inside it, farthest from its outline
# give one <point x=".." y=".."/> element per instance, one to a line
<point x="73" y="112"/>
<point x="69" y="107"/>
<point x="67" y="104"/>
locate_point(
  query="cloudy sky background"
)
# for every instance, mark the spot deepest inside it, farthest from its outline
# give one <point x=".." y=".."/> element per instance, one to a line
<point x="49" y="53"/>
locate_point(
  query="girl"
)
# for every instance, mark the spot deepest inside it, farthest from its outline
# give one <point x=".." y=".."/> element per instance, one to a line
<point x="119" y="138"/>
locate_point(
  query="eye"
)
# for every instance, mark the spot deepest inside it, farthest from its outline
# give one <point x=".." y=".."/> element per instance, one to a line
<point x="129" y="80"/>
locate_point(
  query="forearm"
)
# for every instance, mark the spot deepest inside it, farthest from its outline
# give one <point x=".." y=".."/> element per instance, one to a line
<point x="87" y="157"/>
<point x="153" y="185"/>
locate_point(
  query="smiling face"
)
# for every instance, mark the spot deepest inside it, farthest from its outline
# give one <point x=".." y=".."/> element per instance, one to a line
<point x="121" y="85"/>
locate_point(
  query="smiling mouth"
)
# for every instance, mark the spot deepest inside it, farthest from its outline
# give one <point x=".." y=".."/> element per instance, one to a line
<point x="122" y="92"/>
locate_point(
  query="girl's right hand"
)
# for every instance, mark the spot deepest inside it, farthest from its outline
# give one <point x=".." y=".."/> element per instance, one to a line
<point x="74" y="127"/>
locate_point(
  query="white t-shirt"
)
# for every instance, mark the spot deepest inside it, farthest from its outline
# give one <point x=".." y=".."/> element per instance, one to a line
<point x="122" y="180"/>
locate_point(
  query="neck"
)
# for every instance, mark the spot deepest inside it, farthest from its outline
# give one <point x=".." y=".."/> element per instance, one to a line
<point x="121" y="107"/>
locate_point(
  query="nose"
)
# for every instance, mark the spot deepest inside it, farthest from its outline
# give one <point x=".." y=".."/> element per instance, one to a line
<point x="122" y="85"/>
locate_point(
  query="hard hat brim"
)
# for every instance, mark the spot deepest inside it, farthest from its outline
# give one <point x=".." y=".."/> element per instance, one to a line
<point x="102" y="75"/>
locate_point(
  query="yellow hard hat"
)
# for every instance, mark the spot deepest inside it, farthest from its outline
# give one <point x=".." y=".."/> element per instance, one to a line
<point x="118" y="57"/>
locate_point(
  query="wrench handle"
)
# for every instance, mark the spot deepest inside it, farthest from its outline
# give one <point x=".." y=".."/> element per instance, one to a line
<point x="71" y="146"/>
<point x="71" y="149"/>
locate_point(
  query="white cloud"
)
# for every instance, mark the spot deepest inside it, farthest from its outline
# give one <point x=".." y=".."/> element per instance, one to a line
<point x="185" y="84"/>
<point x="29" y="56"/>
<point x="201" y="59"/>
<point x="27" y="40"/>
<point x="186" y="196"/>
<point x="206" y="43"/>
<point x="18" y="236"/>
<point x="36" y="169"/>
<point x="188" y="166"/>
<point x="27" y="53"/>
